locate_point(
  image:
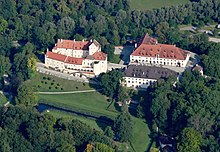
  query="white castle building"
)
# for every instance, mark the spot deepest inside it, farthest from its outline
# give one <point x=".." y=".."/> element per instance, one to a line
<point x="150" y="52"/>
<point x="79" y="58"/>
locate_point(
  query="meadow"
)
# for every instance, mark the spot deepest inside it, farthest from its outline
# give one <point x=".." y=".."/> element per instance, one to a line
<point x="151" y="4"/>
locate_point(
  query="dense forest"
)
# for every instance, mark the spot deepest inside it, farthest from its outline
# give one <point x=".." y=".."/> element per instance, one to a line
<point x="188" y="111"/>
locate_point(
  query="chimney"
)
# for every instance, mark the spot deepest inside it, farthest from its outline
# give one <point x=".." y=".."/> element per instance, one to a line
<point x="74" y="40"/>
<point x="135" y="45"/>
<point x="61" y="40"/>
<point x="91" y="40"/>
<point x="143" y="73"/>
<point x="83" y="40"/>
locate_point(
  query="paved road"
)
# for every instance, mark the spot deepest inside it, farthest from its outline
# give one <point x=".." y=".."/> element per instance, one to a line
<point x="191" y="28"/>
<point x="67" y="92"/>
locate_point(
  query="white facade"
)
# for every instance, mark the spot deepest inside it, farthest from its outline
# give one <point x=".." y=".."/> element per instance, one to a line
<point x="54" y="63"/>
<point x="138" y="82"/>
<point x="90" y="62"/>
<point x="159" y="61"/>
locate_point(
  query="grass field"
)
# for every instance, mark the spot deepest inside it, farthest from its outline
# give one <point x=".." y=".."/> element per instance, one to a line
<point x="141" y="132"/>
<point x="3" y="99"/>
<point x="91" y="122"/>
<point x="43" y="82"/>
<point x="151" y="4"/>
<point x="92" y="102"/>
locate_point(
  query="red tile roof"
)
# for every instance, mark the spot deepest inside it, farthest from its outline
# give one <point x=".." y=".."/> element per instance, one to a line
<point x="162" y="50"/>
<point x="55" y="56"/>
<point x="72" y="60"/>
<point x="71" y="44"/>
<point x="99" y="56"/>
<point x="148" y="40"/>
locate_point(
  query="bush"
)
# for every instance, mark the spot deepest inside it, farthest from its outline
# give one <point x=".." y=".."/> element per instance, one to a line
<point x="77" y="88"/>
<point x="49" y="87"/>
<point x="48" y="78"/>
<point x="56" y="87"/>
<point x="61" y="88"/>
<point x="58" y="84"/>
<point x="53" y="80"/>
<point x="84" y="84"/>
<point x="45" y="82"/>
<point x="38" y="86"/>
<point x="42" y="81"/>
<point x="44" y="78"/>
<point x="52" y="83"/>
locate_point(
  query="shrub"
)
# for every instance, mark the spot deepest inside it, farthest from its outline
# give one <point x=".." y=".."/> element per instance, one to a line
<point x="56" y="87"/>
<point x="44" y="78"/>
<point x="61" y="88"/>
<point x="42" y="81"/>
<point x="48" y="78"/>
<point x="45" y="82"/>
<point x="52" y="83"/>
<point x="84" y="84"/>
<point x="58" y="84"/>
<point x="53" y="80"/>
<point x="77" y="88"/>
<point x="49" y="87"/>
<point x="38" y="86"/>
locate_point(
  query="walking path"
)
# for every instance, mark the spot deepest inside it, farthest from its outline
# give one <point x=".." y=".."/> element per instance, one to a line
<point x="68" y="92"/>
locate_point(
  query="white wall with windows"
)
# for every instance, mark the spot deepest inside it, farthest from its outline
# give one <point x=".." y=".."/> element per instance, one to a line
<point x="138" y="82"/>
<point x="158" y="61"/>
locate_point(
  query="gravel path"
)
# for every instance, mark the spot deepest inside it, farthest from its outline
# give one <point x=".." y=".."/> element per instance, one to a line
<point x="67" y="92"/>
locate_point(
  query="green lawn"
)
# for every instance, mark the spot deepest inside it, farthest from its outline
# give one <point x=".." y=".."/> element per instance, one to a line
<point x="43" y="82"/>
<point x="91" y="122"/>
<point x="151" y="4"/>
<point x="3" y="99"/>
<point x="141" y="132"/>
<point x="90" y="102"/>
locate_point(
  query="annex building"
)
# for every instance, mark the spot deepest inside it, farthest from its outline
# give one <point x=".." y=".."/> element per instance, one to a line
<point x="140" y="76"/>
<point x="150" y="52"/>
<point x="79" y="58"/>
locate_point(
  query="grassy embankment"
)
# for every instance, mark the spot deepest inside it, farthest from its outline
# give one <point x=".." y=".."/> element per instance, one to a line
<point x="43" y="82"/>
<point x="3" y="99"/>
<point x="90" y="103"/>
<point x="151" y="4"/>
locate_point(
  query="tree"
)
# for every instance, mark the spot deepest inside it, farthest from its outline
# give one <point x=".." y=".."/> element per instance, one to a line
<point x="5" y="67"/>
<point x="65" y="27"/>
<point x="100" y="147"/>
<point x="123" y="127"/>
<point x="161" y="30"/>
<point x="109" y="132"/>
<point x="3" y="25"/>
<point x="122" y="94"/>
<point x="110" y="83"/>
<point x="190" y="141"/>
<point x="26" y="96"/>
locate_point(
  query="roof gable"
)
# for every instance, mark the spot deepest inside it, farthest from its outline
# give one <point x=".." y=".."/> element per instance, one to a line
<point x="55" y="56"/>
